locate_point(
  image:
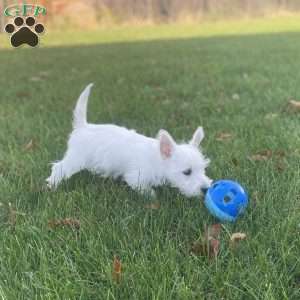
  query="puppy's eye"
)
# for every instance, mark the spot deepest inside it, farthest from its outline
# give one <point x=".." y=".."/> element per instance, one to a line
<point x="187" y="172"/>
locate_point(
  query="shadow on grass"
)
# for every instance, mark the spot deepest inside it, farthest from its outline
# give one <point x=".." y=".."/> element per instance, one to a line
<point x="148" y="85"/>
<point x="237" y="85"/>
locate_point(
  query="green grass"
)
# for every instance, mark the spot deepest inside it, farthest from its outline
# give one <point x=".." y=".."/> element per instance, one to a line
<point x="174" y="80"/>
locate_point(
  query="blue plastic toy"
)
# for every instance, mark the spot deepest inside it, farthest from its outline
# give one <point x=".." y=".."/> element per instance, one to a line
<point x="226" y="200"/>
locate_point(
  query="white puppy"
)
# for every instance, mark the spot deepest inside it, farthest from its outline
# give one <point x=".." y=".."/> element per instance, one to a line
<point x="143" y="162"/>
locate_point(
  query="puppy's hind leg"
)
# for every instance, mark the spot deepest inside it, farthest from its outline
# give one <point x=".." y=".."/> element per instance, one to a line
<point x="64" y="169"/>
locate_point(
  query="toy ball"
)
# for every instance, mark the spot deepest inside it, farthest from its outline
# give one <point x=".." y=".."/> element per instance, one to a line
<point x="226" y="200"/>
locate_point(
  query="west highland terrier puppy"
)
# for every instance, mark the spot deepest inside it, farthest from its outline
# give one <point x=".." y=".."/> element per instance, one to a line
<point x="142" y="162"/>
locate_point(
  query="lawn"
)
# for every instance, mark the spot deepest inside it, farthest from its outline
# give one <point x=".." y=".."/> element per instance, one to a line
<point x="177" y="78"/>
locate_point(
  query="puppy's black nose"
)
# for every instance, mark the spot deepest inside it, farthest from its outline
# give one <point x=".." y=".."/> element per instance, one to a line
<point x="204" y="190"/>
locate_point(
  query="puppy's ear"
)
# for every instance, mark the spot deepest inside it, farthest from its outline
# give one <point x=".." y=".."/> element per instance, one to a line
<point x="197" y="137"/>
<point x="166" y="144"/>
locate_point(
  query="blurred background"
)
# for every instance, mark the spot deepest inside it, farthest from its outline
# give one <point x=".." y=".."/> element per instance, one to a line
<point x="90" y="14"/>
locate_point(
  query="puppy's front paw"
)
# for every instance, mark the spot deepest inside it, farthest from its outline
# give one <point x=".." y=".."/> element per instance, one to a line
<point x="149" y="193"/>
<point x="152" y="193"/>
<point x="50" y="184"/>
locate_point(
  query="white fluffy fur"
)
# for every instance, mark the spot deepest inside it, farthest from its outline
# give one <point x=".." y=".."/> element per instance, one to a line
<point x="143" y="162"/>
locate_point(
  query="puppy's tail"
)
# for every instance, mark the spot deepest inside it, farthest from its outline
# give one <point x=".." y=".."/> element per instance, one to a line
<point x="79" y="114"/>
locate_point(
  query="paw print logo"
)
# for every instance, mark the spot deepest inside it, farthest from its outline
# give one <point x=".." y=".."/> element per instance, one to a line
<point x="24" y="31"/>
